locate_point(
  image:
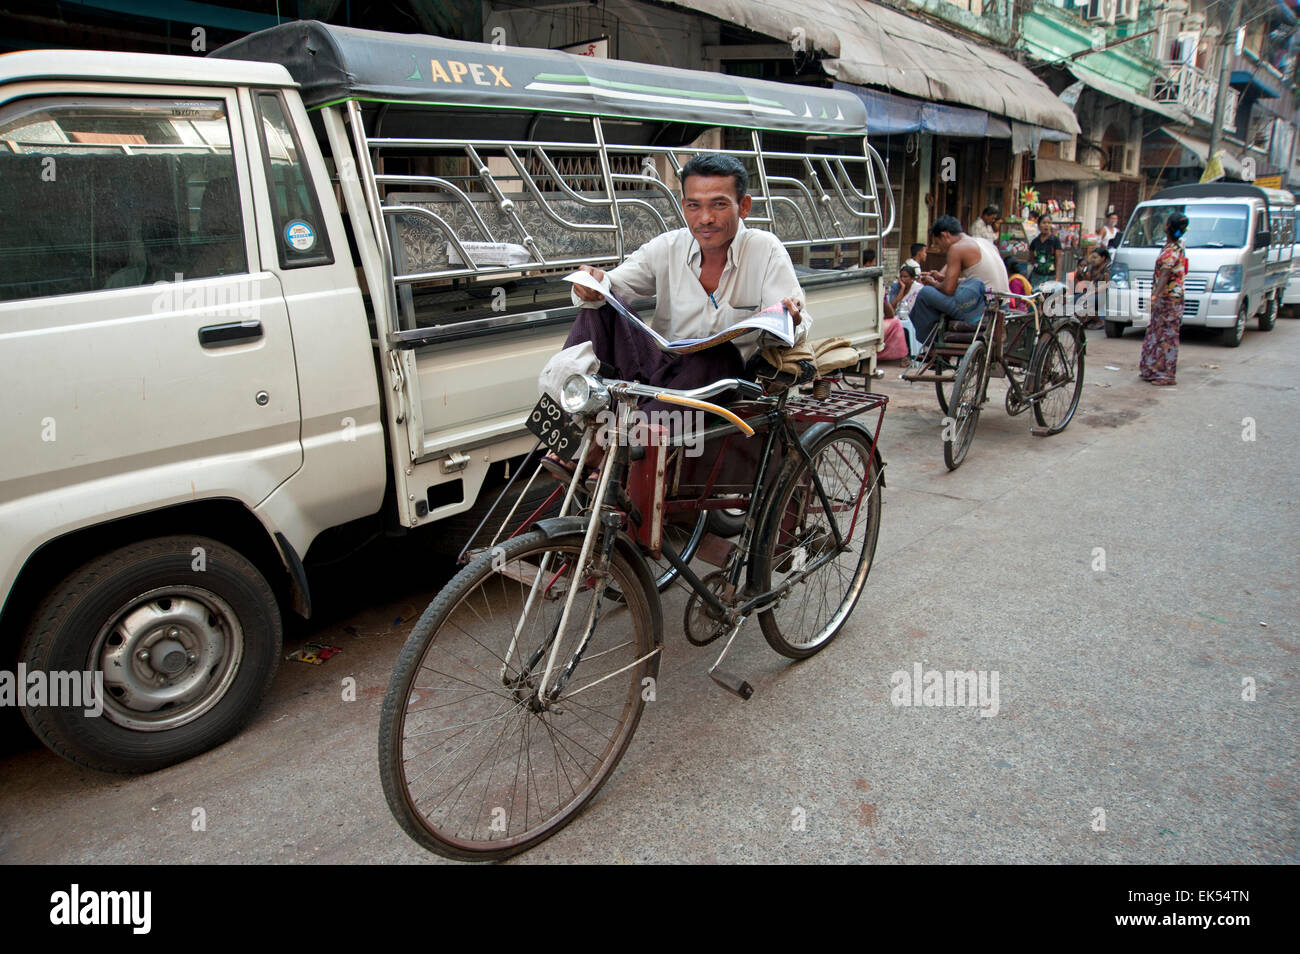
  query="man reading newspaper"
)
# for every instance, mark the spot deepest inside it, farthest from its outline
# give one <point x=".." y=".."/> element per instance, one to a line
<point x="707" y="276"/>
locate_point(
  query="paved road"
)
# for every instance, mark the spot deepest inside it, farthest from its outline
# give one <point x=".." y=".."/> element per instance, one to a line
<point x="1120" y="691"/>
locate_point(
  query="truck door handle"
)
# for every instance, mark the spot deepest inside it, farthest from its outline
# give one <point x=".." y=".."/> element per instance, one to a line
<point x="230" y="333"/>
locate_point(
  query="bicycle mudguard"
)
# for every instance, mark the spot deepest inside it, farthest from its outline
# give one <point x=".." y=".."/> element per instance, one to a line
<point x="814" y="433"/>
<point x="555" y="527"/>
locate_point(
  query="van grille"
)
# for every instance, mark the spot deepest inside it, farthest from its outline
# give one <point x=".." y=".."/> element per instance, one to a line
<point x="1191" y="306"/>
<point x="1191" y="286"/>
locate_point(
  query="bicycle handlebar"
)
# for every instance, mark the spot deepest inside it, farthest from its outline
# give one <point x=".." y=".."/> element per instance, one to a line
<point x="693" y="397"/>
<point x="708" y="390"/>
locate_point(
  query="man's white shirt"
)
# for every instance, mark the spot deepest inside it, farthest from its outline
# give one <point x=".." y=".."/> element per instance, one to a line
<point x="758" y="274"/>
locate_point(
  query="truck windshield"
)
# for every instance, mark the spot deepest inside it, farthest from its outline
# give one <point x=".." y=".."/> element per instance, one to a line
<point x="1208" y="226"/>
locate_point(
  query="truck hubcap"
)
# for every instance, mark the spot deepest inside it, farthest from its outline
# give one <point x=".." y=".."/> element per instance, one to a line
<point x="167" y="657"/>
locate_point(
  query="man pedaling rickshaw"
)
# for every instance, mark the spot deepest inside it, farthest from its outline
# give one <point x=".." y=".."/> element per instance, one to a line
<point x="706" y="277"/>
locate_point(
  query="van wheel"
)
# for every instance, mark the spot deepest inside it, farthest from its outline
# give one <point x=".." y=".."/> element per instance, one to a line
<point x="1115" y="329"/>
<point x="1231" y="337"/>
<point x="183" y="635"/>
<point x="1268" y="317"/>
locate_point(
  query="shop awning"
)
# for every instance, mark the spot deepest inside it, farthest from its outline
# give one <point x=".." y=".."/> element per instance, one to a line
<point x="1201" y="149"/>
<point x="871" y="45"/>
<point x="1059" y="170"/>
<point x="1126" y="94"/>
<point x="888" y="114"/>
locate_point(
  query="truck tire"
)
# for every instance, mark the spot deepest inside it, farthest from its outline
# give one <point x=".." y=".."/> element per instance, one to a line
<point x="185" y="635"/>
<point x="1268" y="317"/>
<point x="1115" y="329"/>
<point x="1231" y="337"/>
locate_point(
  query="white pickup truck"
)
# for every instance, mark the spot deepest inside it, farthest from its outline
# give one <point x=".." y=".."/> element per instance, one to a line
<point x="256" y="305"/>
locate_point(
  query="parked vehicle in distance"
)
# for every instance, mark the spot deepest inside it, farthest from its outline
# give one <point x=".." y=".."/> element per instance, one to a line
<point x="1291" y="296"/>
<point x="260" y="307"/>
<point x="1239" y="245"/>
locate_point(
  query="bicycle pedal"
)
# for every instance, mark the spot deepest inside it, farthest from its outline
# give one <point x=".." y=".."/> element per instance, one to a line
<point x="732" y="683"/>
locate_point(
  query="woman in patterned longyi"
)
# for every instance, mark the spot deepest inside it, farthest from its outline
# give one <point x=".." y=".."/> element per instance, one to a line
<point x="1160" y="346"/>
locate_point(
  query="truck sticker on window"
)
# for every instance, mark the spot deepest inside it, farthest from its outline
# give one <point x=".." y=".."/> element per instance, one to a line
<point x="300" y="235"/>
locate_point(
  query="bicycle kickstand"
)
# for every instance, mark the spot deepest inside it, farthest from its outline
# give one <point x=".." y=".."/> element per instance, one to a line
<point x="727" y="680"/>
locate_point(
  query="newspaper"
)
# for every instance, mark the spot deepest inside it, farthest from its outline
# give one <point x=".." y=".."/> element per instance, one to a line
<point x="775" y="321"/>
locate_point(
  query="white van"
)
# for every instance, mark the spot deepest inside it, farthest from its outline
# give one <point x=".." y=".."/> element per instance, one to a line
<point x="250" y="319"/>
<point x="1239" y="250"/>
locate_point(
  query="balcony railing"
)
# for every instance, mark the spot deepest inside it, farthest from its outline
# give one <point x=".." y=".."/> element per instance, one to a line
<point x="1193" y="90"/>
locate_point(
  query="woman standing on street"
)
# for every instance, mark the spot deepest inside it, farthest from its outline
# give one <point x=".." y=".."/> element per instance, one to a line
<point x="1160" y="347"/>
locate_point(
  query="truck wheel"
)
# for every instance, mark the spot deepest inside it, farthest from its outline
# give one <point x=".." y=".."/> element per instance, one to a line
<point x="1268" y="317"/>
<point x="1231" y="337"/>
<point x="1115" y="329"/>
<point x="183" y="632"/>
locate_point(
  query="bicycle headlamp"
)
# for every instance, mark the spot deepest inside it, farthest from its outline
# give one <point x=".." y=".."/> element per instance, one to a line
<point x="582" y="394"/>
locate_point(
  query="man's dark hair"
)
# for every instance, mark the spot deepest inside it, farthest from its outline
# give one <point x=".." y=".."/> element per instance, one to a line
<point x="868" y="256"/>
<point x="989" y="210"/>
<point x="916" y="247"/>
<point x="946" y="223"/>
<point x="709" y="164"/>
<point x="1103" y="251"/>
<point x="1109" y="214"/>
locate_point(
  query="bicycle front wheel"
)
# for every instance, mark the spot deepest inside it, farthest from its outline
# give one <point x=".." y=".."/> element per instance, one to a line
<point x="1057" y="370"/>
<point x="797" y="545"/>
<point x="967" y="397"/>
<point x="474" y="764"/>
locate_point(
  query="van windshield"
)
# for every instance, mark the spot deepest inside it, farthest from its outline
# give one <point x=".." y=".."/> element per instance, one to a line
<point x="1208" y="226"/>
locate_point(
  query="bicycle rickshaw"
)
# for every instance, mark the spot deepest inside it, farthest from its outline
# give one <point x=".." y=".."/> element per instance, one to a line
<point x="520" y="687"/>
<point x="1042" y="359"/>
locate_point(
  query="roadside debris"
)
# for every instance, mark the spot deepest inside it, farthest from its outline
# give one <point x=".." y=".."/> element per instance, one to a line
<point x="314" y="653"/>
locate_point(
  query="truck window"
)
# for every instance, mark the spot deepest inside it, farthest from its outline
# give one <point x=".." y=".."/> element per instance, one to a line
<point x="1209" y="226"/>
<point x="299" y="227"/>
<point x="114" y="193"/>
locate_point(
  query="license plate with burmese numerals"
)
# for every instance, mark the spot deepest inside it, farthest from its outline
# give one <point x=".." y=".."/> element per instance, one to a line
<point x="555" y="427"/>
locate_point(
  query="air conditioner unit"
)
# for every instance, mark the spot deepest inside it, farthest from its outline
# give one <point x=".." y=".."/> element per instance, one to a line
<point x="1100" y="11"/>
<point x="1126" y="11"/>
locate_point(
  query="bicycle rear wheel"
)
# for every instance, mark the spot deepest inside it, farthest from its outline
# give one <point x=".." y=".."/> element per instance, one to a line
<point x="797" y="535"/>
<point x="1057" y="365"/>
<point x="968" y="395"/>
<point x="473" y="767"/>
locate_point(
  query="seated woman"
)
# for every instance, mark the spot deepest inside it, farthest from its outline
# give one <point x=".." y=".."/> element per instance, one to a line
<point x="1018" y="282"/>
<point x="898" y="332"/>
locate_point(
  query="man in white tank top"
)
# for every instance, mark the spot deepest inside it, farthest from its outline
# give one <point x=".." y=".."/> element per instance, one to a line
<point x="971" y="265"/>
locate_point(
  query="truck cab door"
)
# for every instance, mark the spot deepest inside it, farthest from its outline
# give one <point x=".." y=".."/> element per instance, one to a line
<point x="135" y="316"/>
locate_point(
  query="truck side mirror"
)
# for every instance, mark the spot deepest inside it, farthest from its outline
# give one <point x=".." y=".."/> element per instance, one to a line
<point x="1263" y="239"/>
